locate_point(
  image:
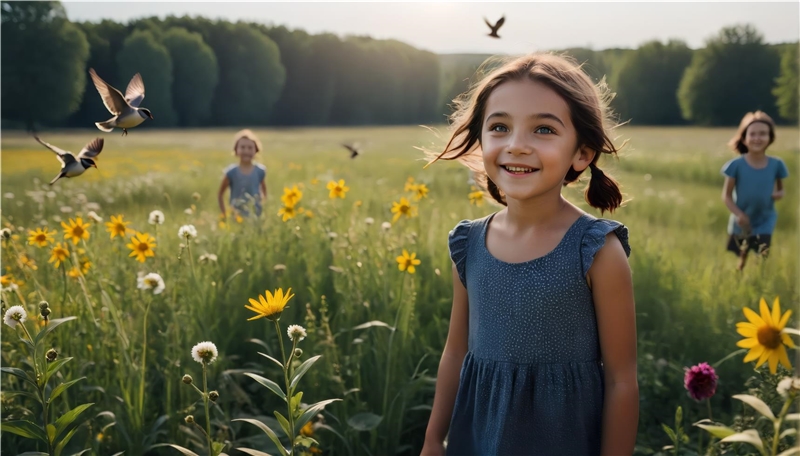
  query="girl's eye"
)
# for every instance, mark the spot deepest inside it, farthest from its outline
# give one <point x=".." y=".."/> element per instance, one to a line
<point x="498" y="128"/>
<point x="544" y="130"/>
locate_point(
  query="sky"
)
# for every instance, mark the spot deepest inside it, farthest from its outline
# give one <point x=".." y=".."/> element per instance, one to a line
<point x="459" y="27"/>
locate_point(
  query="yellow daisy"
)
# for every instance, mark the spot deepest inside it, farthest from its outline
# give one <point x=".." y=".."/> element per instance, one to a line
<point x="406" y="262"/>
<point x="337" y="189"/>
<point x="291" y="196"/>
<point x="117" y="226"/>
<point x="764" y="336"/>
<point x="409" y="187"/>
<point x="309" y="214"/>
<point x="314" y="181"/>
<point x="420" y="191"/>
<point x="307" y="430"/>
<point x="142" y="245"/>
<point x="270" y="305"/>
<point x="58" y="254"/>
<point x="287" y="212"/>
<point x="476" y="198"/>
<point x="41" y="237"/>
<point x="403" y="207"/>
<point x="27" y="262"/>
<point x="76" y="230"/>
<point x="6" y="280"/>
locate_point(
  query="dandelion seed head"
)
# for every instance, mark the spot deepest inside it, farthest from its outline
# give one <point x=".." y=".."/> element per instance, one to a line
<point x="788" y="385"/>
<point x="156" y="218"/>
<point x="369" y="220"/>
<point x="296" y="332"/>
<point x="14" y="315"/>
<point x="386" y="226"/>
<point x="204" y="352"/>
<point x="187" y="232"/>
<point x="93" y="215"/>
<point x="151" y="281"/>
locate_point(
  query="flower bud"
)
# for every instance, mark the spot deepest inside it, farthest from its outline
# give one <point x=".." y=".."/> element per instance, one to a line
<point x="298" y="352"/>
<point x="51" y="355"/>
<point x="189" y="419"/>
<point x="213" y="396"/>
<point x="43" y="305"/>
<point x="187" y="379"/>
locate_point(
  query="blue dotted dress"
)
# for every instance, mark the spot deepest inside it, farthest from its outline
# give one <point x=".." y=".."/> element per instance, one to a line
<point x="532" y="380"/>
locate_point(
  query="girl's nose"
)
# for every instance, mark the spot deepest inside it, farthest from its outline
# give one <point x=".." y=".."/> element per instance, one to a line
<point x="518" y="145"/>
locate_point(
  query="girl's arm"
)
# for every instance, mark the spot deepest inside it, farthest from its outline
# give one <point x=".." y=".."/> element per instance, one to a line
<point x="455" y="349"/>
<point x="263" y="189"/>
<point x="612" y="290"/>
<point x="778" y="192"/>
<point x="727" y="196"/>
<point x="221" y="193"/>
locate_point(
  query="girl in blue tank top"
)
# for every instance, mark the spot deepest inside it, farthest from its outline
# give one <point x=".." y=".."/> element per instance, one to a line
<point x="540" y="358"/>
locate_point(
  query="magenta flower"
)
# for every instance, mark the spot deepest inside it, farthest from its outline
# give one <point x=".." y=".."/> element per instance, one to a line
<point x="700" y="381"/>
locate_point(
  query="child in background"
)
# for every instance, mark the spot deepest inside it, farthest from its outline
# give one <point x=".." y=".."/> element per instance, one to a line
<point x="540" y="357"/>
<point x="753" y="182"/>
<point x="247" y="179"/>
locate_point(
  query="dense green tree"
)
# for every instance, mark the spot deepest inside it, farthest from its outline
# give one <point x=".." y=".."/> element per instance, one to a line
<point x="195" y="75"/>
<point x="788" y="84"/>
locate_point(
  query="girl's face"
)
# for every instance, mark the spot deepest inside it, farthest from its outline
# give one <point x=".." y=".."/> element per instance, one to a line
<point x="528" y="140"/>
<point x="756" y="137"/>
<point x="245" y="150"/>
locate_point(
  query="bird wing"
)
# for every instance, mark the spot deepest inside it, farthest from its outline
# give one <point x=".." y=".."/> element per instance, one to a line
<point x="500" y="23"/>
<point x="112" y="98"/>
<point x="488" y="23"/>
<point x="134" y="94"/>
<point x="92" y="149"/>
<point x="350" y="148"/>
<point x="63" y="156"/>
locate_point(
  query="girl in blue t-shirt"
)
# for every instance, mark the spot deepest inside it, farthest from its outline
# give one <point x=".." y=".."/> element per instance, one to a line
<point x="753" y="182"/>
<point x="246" y="180"/>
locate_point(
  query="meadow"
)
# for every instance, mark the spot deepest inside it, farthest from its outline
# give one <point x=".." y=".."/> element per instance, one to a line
<point x="380" y="330"/>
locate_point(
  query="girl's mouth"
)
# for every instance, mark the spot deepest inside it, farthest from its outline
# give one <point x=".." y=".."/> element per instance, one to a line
<point x="518" y="170"/>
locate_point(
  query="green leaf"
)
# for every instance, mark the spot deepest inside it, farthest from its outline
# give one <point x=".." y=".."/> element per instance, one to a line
<point x="298" y="374"/>
<point x="310" y="412"/>
<point x="670" y="433"/>
<point x="757" y="404"/>
<point x="364" y="421"/>
<point x="719" y="432"/>
<point x="20" y="374"/>
<point x="66" y="419"/>
<point x="27" y="394"/>
<point x="51" y="433"/>
<point x="284" y="423"/>
<point x="787" y="432"/>
<point x="50" y="327"/>
<point x="749" y="436"/>
<point x="791" y="451"/>
<point x="792" y="417"/>
<point x="81" y="452"/>
<point x="24" y="428"/>
<point x="217" y="447"/>
<point x="370" y="324"/>
<point x="272" y="386"/>
<point x="54" y="367"/>
<point x="61" y="388"/>
<point x="271" y="359"/>
<point x="253" y="452"/>
<point x="63" y="443"/>
<point x="295" y="403"/>
<point x="33" y="453"/>
<point x="270" y="433"/>
<point x="184" y="451"/>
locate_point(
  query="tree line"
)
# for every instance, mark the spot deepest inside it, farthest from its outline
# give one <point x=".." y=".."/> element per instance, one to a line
<point x="200" y="72"/>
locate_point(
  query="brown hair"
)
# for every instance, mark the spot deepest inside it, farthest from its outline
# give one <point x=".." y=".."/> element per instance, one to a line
<point x="737" y="142"/>
<point x="589" y="112"/>
<point x="246" y="134"/>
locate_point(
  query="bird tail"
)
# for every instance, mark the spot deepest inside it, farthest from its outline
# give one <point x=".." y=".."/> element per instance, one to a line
<point x="60" y="175"/>
<point x="105" y="126"/>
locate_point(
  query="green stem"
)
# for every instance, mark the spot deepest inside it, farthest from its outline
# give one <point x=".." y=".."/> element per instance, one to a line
<point x="779" y="422"/>
<point x="286" y="382"/>
<point x="144" y="363"/>
<point x="208" y="415"/>
<point x="64" y="293"/>
<point x="708" y="405"/>
<point x="391" y="341"/>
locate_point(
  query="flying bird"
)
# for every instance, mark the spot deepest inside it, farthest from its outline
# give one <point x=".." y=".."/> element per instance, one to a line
<point x="70" y="165"/>
<point x="126" y="110"/>
<point x="354" y="150"/>
<point x="495" y="27"/>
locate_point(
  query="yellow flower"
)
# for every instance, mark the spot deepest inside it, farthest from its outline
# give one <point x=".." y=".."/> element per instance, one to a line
<point x="288" y="212"/>
<point x="409" y="187"/>
<point x="309" y="214"/>
<point x="27" y="262"/>
<point x="270" y="305"/>
<point x="291" y="196"/>
<point x="420" y="191"/>
<point x="76" y="230"/>
<point x="314" y="181"/>
<point x="117" y="226"/>
<point x="337" y="189"/>
<point x="307" y="429"/>
<point x="41" y="237"/>
<point x="403" y="207"/>
<point x="74" y="273"/>
<point x="764" y="335"/>
<point x="85" y="265"/>
<point x="238" y="218"/>
<point x="406" y="262"/>
<point x="476" y="198"/>
<point x="58" y="254"/>
<point x="6" y="280"/>
<point x="358" y="203"/>
<point x="142" y="245"/>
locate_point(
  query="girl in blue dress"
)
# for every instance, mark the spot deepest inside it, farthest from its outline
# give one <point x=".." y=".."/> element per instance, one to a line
<point x="540" y="357"/>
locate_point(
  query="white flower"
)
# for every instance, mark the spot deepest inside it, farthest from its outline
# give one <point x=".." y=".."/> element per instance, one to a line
<point x="92" y="206"/>
<point x="207" y="257"/>
<point x="788" y="384"/>
<point x="188" y="211"/>
<point x="10" y="288"/>
<point x="386" y="226"/>
<point x="369" y="220"/>
<point x="153" y="282"/>
<point x="93" y="215"/>
<point x="204" y="352"/>
<point x="196" y="196"/>
<point x="187" y="232"/>
<point x="15" y="315"/>
<point x="156" y="217"/>
<point x="9" y="195"/>
<point x="332" y="235"/>
<point x="296" y="332"/>
<point x="66" y="209"/>
<point x="50" y="194"/>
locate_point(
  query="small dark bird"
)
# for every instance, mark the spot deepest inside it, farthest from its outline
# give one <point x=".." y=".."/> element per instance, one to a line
<point x="72" y="166"/>
<point x="495" y="27"/>
<point x="354" y="150"/>
<point x="126" y="110"/>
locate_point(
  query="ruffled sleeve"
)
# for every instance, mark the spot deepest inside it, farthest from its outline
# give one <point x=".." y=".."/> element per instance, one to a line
<point x="458" y="242"/>
<point x="595" y="237"/>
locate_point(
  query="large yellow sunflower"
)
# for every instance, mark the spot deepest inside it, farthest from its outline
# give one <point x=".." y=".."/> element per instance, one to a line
<point x="337" y="189"/>
<point x="117" y="226"/>
<point x="41" y="237"/>
<point x="76" y="230"/>
<point x="58" y="254"/>
<point x="270" y="306"/>
<point x="764" y="336"/>
<point x="142" y="246"/>
<point x="403" y="207"/>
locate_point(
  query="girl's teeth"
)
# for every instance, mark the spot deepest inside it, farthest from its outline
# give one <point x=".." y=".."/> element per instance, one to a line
<point x="516" y="169"/>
